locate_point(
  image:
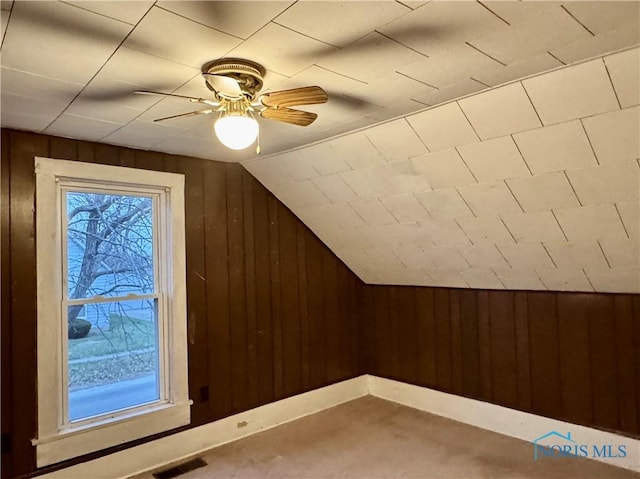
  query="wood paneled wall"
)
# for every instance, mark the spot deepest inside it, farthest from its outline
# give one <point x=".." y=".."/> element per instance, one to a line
<point x="570" y="356"/>
<point x="271" y="311"/>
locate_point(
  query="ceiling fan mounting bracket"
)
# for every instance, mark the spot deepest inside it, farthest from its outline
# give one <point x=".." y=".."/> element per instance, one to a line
<point x="249" y="75"/>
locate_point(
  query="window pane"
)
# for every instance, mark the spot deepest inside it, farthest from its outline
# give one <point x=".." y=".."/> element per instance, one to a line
<point x="109" y="244"/>
<point x="112" y="357"/>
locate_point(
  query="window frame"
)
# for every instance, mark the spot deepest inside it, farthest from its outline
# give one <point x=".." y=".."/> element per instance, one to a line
<point x="56" y="439"/>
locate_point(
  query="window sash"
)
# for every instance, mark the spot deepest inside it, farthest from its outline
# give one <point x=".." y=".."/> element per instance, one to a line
<point x="54" y="444"/>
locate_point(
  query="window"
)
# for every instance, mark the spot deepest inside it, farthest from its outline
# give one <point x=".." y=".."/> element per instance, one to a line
<point x="112" y="360"/>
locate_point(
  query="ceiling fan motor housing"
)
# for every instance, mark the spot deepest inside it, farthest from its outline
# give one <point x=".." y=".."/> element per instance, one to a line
<point x="249" y="75"/>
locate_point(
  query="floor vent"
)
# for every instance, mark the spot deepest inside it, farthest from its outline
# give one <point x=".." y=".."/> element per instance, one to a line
<point x="180" y="469"/>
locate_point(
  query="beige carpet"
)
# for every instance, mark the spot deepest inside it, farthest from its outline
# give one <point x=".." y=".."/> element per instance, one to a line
<point x="371" y="438"/>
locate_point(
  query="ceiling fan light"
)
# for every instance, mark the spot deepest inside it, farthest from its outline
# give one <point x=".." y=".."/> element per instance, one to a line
<point x="235" y="131"/>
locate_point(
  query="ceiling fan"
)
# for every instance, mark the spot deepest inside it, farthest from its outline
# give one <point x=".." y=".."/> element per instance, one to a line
<point x="236" y="85"/>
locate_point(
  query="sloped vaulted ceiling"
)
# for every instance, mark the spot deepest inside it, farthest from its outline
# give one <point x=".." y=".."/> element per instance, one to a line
<point x="531" y="185"/>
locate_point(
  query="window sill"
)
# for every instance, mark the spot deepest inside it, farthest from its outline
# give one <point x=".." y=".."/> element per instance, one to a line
<point x="95" y="436"/>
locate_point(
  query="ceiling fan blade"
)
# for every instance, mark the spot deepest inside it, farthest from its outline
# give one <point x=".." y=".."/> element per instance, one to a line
<point x="190" y="98"/>
<point x="289" y="115"/>
<point x="182" y="115"/>
<point x="309" y="95"/>
<point x="223" y="84"/>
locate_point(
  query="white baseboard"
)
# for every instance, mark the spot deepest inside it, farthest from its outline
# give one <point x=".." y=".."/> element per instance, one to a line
<point x="509" y="422"/>
<point x="175" y="448"/>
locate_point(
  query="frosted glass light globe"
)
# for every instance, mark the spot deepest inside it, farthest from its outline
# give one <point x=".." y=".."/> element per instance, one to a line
<point x="236" y="132"/>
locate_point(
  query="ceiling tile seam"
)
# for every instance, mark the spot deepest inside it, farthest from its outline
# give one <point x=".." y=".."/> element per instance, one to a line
<point x="401" y="44"/>
<point x="455" y="220"/>
<point x="486" y="54"/>
<point x="100" y="69"/>
<point x="588" y="279"/>
<point x="508" y="231"/>
<point x="556" y="58"/>
<point x="39" y="76"/>
<point x="560" y="225"/>
<point x="611" y="83"/>
<point x="416" y="80"/>
<point x="171" y="12"/>
<point x="7" y="27"/>
<point x="334" y="72"/>
<point x="98" y="13"/>
<point x="589" y="141"/>
<point x="466" y="202"/>
<point x="603" y="253"/>
<point x="409" y="7"/>
<point x="514" y="196"/>
<point x="461" y="254"/>
<point x="532" y="104"/>
<point x="472" y="127"/>
<point x="577" y="21"/>
<point x="406" y="120"/>
<point x="479" y="82"/>
<point x="553" y="262"/>
<point x="421" y="102"/>
<point x="547" y="289"/>
<point x="624" y="226"/>
<point x="498" y="278"/>
<point x="524" y="160"/>
<point x="503" y="256"/>
<point x="309" y="36"/>
<point x="494" y="13"/>
<point x="463" y="160"/>
<point x="572" y="188"/>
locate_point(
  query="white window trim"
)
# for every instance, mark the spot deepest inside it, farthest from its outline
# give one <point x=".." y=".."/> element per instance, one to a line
<point x="54" y="443"/>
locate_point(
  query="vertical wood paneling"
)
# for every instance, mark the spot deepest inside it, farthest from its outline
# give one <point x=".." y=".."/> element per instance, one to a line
<point x="456" y="341"/>
<point x="626" y="363"/>
<point x="426" y="337"/>
<point x="218" y="290"/>
<point x="407" y="345"/>
<point x="290" y="300"/>
<point x="197" y="324"/>
<point x="5" y="290"/>
<point x="316" y="313"/>
<point x="484" y="346"/>
<point x="602" y="349"/>
<point x="543" y="353"/>
<point x="263" y="296"/>
<point x="237" y="290"/>
<point x="575" y="359"/>
<point x="63" y="148"/>
<point x="248" y="185"/>
<point x="331" y="330"/>
<point x="443" y="339"/>
<point x="504" y="377"/>
<point x="24" y="147"/>
<point x="301" y="234"/>
<point x="276" y="304"/>
<point x="522" y="351"/>
<point x="86" y="151"/>
<point x="469" y="336"/>
<point x="107" y="155"/>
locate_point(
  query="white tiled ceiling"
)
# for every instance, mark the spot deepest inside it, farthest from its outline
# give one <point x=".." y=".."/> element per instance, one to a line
<point x="535" y="185"/>
<point x="513" y="164"/>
